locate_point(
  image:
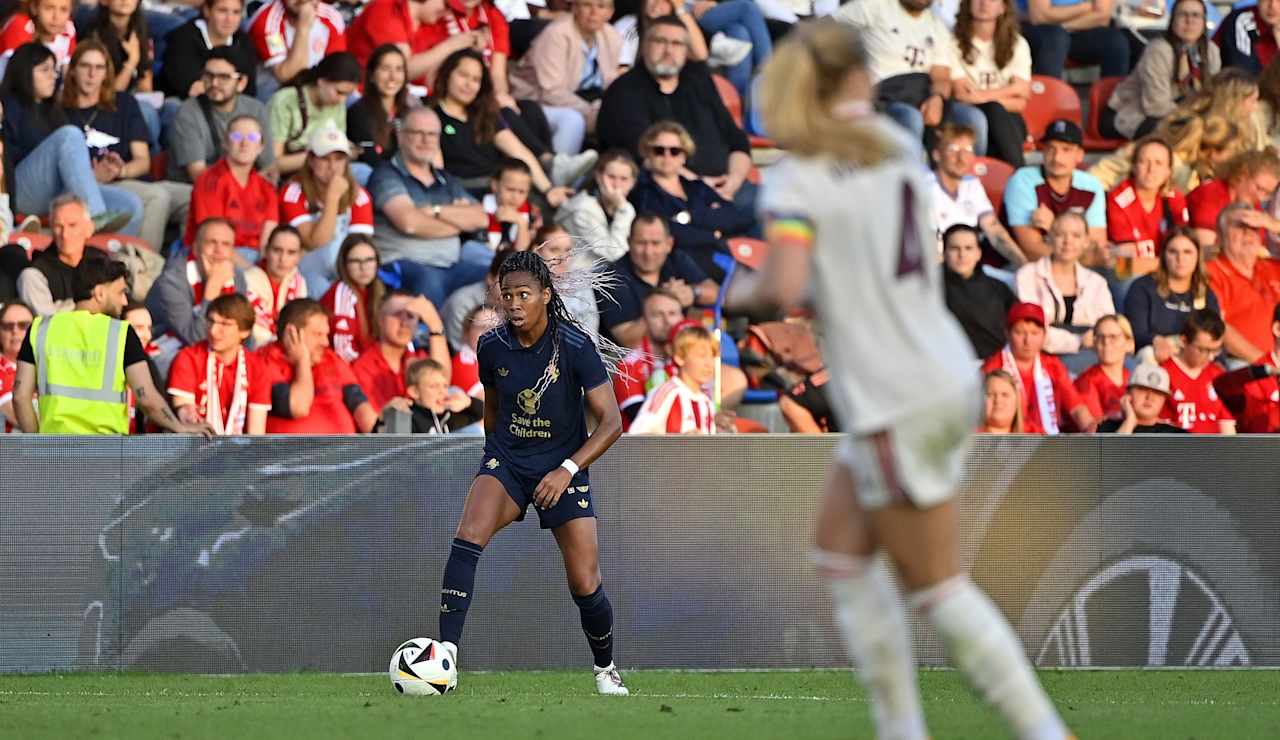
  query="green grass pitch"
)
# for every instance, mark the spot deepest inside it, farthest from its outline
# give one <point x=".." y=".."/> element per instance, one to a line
<point x="560" y="705"/>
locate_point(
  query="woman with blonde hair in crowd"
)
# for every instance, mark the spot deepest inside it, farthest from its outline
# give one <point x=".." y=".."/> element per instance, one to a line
<point x="1232" y="95"/>
<point x="1103" y="385"/>
<point x="1072" y="296"/>
<point x="1157" y="305"/>
<point x="1249" y="177"/>
<point x="1144" y="207"/>
<point x="851" y="177"/>
<point x="1002" y="406"/>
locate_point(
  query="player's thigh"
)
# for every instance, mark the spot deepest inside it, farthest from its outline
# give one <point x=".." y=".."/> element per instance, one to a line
<point x="580" y="549"/>
<point x="487" y="510"/>
<point x="924" y="544"/>
<point x="842" y="525"/>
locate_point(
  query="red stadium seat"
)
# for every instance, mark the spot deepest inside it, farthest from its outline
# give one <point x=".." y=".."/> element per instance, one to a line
<point x="160" y="165"/>
<point x="30" y="241"/>
<point x="1050" y="100"/>
<point x="1099" y="94"/>
<point x="729" y="96"/>
<point x="993" y="173"/>
<point x="748" y="252"/>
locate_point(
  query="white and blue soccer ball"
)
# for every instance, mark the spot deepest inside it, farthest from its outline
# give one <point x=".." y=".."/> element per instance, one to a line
<point x="422" y="667"/>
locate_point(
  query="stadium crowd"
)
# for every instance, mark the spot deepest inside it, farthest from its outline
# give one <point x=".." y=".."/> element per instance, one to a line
<point x="313" y="201"/>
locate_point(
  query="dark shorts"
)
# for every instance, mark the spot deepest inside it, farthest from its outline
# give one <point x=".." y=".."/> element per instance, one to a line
<point x="574" y="503"/>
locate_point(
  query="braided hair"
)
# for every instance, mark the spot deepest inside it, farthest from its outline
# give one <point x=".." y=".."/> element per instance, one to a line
<point x="568" y="280"/>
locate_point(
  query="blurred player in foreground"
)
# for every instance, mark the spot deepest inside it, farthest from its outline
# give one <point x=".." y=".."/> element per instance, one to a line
<point x="848" y="209"/>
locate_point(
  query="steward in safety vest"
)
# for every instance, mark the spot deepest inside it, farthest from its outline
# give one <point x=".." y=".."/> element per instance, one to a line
<point x="81" y="363"/>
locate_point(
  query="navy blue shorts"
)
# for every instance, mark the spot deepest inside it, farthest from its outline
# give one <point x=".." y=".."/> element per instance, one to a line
<point x="574" y="503"/>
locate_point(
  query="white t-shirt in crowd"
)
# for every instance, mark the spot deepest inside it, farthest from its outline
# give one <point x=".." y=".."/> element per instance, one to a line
<point x="897" y="41"/>
<point x="969" y="203"/>
<point x="984" y="73"/>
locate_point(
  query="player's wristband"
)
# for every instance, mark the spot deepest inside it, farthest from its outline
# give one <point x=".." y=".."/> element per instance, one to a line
<point x="570" y="466"/>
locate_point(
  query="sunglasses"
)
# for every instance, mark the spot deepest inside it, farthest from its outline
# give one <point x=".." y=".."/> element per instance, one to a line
<point x="15" y="325"/>
<point x="361" y="261"/>
<point x="667" y="151"/>
<point x="253" y="137"/>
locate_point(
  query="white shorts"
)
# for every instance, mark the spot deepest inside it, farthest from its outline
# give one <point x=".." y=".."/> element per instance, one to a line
<point x="919" y="460"/>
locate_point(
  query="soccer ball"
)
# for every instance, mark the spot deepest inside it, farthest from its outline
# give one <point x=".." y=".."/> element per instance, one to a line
<point x="422" y="667"/>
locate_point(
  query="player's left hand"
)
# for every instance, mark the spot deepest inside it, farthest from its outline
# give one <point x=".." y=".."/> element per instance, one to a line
<point x="551" y="488"/>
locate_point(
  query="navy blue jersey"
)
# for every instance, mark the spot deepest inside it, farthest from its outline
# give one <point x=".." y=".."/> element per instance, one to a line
<point x="542" y="417"/>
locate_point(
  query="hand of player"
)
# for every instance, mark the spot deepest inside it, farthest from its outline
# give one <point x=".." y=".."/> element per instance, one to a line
<point x="1042" y="218"/>
<point x="551" y="488"/>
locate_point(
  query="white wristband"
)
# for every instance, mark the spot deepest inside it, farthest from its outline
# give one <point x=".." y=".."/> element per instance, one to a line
<point x="570" y="466"/>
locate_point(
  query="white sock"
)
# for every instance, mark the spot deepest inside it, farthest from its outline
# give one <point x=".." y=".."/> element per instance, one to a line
<point x="874" y="624"/>
<point x="987" y="651"/>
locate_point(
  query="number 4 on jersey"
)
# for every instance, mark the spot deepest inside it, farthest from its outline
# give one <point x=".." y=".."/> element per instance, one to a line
<point x="910" y="250"/>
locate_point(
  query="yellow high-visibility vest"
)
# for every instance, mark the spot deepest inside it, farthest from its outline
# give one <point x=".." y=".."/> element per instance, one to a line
<point x="80" y="373"/>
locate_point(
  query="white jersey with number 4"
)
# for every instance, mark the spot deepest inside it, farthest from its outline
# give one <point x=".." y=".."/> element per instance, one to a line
<point x="891" y="345"/>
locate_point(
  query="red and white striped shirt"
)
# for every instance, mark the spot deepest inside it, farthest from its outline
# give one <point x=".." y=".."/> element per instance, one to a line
<point x="675" y="408"/>
<point x="272" y="33"/>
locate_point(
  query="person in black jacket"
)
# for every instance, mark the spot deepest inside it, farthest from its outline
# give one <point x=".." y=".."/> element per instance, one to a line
<point x="699" y="218"/>
<point x="979" y="301"/>
<point x="189" y="45"/>
<point x="663" y="87"/>
<point x="437" y="408"/>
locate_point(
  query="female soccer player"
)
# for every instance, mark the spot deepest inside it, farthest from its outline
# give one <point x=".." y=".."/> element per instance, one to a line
<point x="849" y="210"/>
<point x="538" y="368"/>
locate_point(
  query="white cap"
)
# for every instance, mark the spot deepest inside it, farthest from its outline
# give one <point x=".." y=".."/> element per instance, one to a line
<point x="1152" y="377"/>
<point x="327" y="140"/>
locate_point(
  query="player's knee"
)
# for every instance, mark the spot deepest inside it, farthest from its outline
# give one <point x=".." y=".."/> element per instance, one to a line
<point x="584" y="583"/>
<point x="474" y="532"/>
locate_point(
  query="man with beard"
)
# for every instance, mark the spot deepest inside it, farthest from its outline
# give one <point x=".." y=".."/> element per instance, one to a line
<point x="201" y="125"/>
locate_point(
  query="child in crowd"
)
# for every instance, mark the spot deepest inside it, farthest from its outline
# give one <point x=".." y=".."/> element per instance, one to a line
<point x="679" y="405"/>
<point x="508" y="206"/>
<point x="437" y="408"/>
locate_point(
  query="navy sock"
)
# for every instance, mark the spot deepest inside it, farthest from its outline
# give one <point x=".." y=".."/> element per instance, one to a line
<point x="597" y="624"/>
<point x="455" y="593"/>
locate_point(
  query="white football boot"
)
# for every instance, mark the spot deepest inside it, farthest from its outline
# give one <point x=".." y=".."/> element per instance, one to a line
<point x="608" y="682"/>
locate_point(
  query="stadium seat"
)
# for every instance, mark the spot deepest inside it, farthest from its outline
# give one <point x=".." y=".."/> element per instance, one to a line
<point x="729" y="96"/>
<point x="747" y="251"/>
<point x="1099" y="94"/>
<point x="110" y="242"/>
<point x="30" y="241"/>
<point x="1050" y="100"/>
<point x="159" y="165"/>
<point x="993" y="173"/>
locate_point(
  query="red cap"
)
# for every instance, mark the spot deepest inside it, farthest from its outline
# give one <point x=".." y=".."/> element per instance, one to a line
<point x="1025" y="312"/>
<point x="681" y="326"/>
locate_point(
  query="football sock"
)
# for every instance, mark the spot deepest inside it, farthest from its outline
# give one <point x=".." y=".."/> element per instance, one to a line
<point x="873" y="622"/>
<point x="987" y="651"/>
<point x="597" y="625"/>
<point x="455" y="593"/>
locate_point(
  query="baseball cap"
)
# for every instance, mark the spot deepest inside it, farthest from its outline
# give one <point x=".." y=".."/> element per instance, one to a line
<point x="1025" y="312"/>
<point x="1063" y="130"/>
<point x="328" y="139"/>
<point x="1152" y="377"/>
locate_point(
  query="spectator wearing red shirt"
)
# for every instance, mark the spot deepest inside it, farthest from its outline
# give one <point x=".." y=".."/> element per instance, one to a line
<point x="1002" y="409"/>
<point x="1248" y="178"/>
<point x="466" y="365"/>
<point x="1044" y="386"/>
<point x="679" y="406"/>
<point x="350" y="301"/>
<point x="411" y="26"/>
<point x="646" y="367"/>
<point x="1193" y="403"/>
<point x="1246" y="284"/>
<point x="1142" y="209"/>
<point x="274" y="282"/>
<point x="380" y="369"/>
<point x="1103" y="385"/>
<point x="325" y="203"/>
<point x="1253" y="393"/>
<point x="46" y="22"/>
<point x="485" y="30"/>
<point x="313" y="390"/>
<point x="279" y="25"/>
<point x="219" y="381"/>
<point x="232" y="189"/>
<point x="15" y="320"/>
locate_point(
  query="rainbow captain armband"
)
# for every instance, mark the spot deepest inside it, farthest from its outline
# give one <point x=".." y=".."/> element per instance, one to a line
<point x="792" y="229"/>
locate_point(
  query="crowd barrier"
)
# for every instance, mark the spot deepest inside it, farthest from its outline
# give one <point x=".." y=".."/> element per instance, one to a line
<point x="283" y="554"/>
